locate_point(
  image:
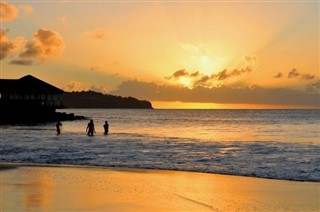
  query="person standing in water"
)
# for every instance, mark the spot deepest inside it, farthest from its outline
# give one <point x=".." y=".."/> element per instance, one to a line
<point x="58" y="125"/>
<point x="90" y="128"/>
<point x="106" y="128"/>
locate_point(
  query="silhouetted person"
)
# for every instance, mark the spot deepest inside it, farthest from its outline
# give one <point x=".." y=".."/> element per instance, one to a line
<point x="58" y="125"/>
<point x="106" y="128"/>
<point x="90" y="128"/>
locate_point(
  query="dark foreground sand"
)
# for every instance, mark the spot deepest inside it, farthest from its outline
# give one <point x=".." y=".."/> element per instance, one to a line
<point x="67" y="188"/>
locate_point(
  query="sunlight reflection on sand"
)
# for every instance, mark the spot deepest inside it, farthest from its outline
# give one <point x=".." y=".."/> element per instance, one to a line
<point x="94" y="189"/>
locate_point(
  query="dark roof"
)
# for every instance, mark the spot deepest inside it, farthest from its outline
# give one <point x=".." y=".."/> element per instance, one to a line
<point x="27" y="85"/>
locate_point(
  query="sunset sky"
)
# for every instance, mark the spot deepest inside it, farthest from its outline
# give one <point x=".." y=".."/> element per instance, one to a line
<point x="176" y="54"/>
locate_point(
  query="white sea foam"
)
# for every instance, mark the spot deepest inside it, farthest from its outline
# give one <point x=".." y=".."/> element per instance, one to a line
<point x="270" y="144"/>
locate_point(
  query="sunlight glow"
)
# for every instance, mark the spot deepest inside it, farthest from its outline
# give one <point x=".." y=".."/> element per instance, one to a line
<point x="192" y="105"/>
<point x="186" y="82"/>
<point x="208" y="65"/>
<point x="216" y="43"/>
<point x="200" y="58"/>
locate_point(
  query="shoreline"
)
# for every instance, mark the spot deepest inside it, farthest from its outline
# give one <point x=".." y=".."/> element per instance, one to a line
<point x="57" y="187"/>
<point x="7" y="165"/>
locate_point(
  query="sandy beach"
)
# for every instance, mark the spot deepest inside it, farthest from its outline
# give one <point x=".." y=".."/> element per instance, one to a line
<point x="30" y="187"/>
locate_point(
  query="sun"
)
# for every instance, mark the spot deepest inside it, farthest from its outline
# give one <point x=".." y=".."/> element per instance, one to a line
<point x="202" y="58"/>
<point x="209" y="65"/>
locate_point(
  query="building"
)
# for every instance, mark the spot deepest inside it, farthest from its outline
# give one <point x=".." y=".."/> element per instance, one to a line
<point x="28" y="97"/>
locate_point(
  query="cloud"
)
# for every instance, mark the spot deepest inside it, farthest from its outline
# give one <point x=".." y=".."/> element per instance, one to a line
<point x="98" y="34"/>
<point x="194" y="50"/>
<point x="79" y="86"/>
<point x="198" y="78"/>
<point x="195" y="74"/>
<point x="63" y="20"/>
<point x="9" y="47"/>
<point x="203" y="80"/>
<point x="294" y="74"/>
<point x="314" y="87"/>
<point x="93" y="68"/>
<point x="176" y="75"/>
<point x="101" y="89"/>
<point x="73" y="86"/>
<point x="307" y="77"/>
<point x="46" y="44"/>
<point x="250" y="59"/>
<point x="6" y="45"/>
<point x="8" y="12"/>
<point x="23" y="62"/>
<point x="279" y="75"/>
<point x="26" y="8"/>
<point x="225" y="74"/>
<point x="223" y="94"/>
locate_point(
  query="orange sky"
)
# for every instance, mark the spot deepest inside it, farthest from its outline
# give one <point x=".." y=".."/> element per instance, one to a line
<point x="225" y="54"/>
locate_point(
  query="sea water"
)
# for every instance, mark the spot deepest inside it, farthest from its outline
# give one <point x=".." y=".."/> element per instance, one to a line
<point x="277" y="144"/>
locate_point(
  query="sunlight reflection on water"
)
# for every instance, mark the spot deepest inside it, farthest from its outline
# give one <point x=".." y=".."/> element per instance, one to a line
<point x="272" y="144"/>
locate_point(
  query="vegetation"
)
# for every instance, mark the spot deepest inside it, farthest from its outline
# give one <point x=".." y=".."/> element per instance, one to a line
<point x="92" y="99"/>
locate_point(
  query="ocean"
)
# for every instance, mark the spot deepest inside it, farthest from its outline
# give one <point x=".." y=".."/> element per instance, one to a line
<point x="276" y="144"/>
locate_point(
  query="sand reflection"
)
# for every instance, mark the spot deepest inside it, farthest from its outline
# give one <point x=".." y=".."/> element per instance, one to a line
<point x="90" y="189"/>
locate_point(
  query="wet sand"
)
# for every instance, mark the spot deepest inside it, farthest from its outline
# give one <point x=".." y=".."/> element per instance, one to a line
<point x="30" y="187"/>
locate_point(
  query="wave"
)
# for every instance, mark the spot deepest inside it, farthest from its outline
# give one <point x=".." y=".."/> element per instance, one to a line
<point x="265" y="159"/>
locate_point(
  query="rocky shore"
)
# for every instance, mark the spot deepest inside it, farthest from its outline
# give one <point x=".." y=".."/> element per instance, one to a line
<point x="33" y="118"/>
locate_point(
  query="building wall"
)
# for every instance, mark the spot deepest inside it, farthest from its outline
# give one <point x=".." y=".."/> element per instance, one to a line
<point x="36" y="100"/>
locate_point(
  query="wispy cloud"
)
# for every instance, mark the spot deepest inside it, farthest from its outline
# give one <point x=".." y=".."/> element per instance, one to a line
<point x="63" y="20"/>
<point x="23" y="62"/>
<point x="250" y="59"/>
<point x="194" y="50"/>
<point x="98" y="34"/>
<point x="314" y="87"/>
<point x="225" y="74"/>
<point x="198" y="78"/>
<point x="279" y="75"/>
<point x="307" y="77"/>
<point x="27" y="9"/>
<point x="176" y="75"/>
<point x="294" y="74"/>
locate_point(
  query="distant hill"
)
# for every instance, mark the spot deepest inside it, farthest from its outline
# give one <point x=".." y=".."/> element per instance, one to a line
<point x="92" y="99"/>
